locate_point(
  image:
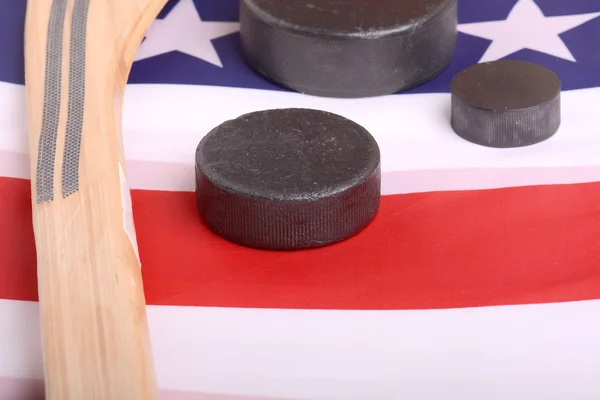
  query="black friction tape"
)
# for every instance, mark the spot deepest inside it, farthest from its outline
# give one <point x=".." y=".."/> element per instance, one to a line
<point x="505" y="103"/>
<point x="350" y="48"/>
<point x="287" y="179"/>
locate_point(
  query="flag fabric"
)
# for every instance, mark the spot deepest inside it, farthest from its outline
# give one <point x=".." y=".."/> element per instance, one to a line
<point x="478" y="279"/>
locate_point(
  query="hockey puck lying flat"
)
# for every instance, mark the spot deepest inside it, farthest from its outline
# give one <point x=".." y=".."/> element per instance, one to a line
<point x="350" y="48"/>
<point x="505" y="103"/>
<point x="287" y="179"/>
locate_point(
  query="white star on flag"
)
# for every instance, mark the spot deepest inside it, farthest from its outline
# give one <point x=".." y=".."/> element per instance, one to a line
<point x="526" y="28"/>
<point x="183" y="30"/>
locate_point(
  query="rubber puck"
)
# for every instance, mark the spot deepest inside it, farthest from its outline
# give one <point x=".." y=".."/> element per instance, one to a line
<point x="506" y="103"/>
<point x="287" y="179"/>
<point x="350" y="48"/>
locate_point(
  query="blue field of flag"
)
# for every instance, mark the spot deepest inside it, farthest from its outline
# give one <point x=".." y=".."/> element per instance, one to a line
<point x="198" y="43"/>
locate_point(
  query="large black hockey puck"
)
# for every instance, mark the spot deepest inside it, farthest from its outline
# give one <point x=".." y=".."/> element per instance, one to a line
<point x="287" y="179"/>
<point x="350" y="48"/>
<point x="505" y="103"/>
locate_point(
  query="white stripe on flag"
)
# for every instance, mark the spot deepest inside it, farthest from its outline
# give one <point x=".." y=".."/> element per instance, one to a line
<point x="164" y="123"/>
<point x="548" y="351"/>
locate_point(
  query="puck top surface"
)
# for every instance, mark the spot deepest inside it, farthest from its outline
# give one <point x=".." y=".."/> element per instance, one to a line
<point x="349" y="17"/>
<point x="506" y="85"/>
<point x="288" y="154"/>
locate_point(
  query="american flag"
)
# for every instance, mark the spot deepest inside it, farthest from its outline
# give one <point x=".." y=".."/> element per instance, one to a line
<point x="478" y="279"/>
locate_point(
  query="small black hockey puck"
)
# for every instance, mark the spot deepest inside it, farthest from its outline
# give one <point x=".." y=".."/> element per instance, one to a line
<point x="350" y="48"/>
<point x="287" y="179"/>
<point x="505" y="103"/>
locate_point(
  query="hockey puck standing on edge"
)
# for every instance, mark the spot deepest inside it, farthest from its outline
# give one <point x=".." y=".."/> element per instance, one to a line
<point x="505" y="103"/>
<point x="351" y="48"/>
<point x="287" y="179"/>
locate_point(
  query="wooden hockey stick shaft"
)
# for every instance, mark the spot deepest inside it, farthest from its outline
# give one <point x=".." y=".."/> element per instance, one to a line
<point x="95" y="338"/>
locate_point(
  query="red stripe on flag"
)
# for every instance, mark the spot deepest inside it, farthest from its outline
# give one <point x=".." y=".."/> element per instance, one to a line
<point x="427" y="250"/>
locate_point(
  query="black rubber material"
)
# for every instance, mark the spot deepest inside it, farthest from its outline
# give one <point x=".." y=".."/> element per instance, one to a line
<point x="348" y="48"/>
<point x="288" y="179"/>
<point x="505" y="103"/>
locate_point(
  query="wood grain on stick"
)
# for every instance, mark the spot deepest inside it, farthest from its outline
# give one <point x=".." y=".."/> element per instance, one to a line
<point x="78" y="54"/>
